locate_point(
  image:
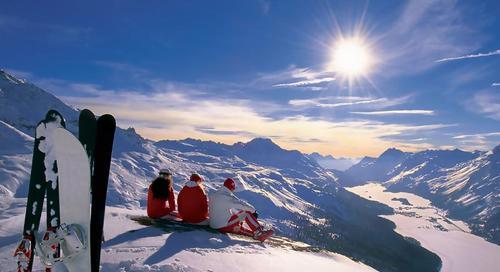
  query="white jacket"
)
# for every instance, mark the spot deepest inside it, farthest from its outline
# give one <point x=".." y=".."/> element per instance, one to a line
<point x="222" y="205"/>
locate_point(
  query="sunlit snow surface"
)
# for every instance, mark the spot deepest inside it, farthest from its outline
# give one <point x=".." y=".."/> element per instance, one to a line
<point x="449" y="239"/>
<point x="133" y="247"/>
<point x="151" y="249"/>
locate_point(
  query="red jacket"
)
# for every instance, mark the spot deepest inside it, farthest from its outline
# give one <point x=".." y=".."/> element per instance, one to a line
<point x="193" y="203"/>
<point x="158" y="207"/>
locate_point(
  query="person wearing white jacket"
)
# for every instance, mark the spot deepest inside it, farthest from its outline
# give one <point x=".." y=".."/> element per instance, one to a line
<point x="228" y="213"/>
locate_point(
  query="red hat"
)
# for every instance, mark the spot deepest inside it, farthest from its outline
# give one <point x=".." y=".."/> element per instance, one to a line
<point x="195" y="178"/>
<point x="229" y="183"/>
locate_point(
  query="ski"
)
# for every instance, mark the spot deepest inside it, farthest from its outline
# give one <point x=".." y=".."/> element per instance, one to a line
<point x="87" y="125"/>
<point x="105" y="132"/>
<point x="43" y="180"/>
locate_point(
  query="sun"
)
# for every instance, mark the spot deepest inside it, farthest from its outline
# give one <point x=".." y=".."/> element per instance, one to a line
<point x="350" y="58"/>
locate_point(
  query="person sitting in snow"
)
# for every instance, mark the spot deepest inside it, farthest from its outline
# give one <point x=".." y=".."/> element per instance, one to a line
<point x="161" y="200"/>
<point x="228" y="213"/>
<point x="193" y="202"/>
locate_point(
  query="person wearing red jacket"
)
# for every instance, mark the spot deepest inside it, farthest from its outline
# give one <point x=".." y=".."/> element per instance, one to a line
<point x="161" y="199"/>
<point x="193" y="202"/>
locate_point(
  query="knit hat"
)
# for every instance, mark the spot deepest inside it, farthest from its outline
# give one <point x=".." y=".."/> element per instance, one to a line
<point x="195" y="178"/>
<point x="165" y="172"/>
<point x="229" y="183"/>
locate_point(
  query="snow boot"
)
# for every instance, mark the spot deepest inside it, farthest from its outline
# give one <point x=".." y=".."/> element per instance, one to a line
<point x="262" y="235"/>
<point x="24" y="253"/>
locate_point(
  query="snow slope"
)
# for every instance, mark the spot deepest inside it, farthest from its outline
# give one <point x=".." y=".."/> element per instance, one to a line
<point x="133" y="247"/>
<point x="15" y="158"/>
<point x="451" y="240"/>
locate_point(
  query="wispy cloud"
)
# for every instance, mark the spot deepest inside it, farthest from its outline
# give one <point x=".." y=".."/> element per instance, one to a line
<point x="425" y="31"/>
<point x="494" y="84"/>
<point x="304" y="83"/>
<point x="395" y="112"/>
<point x="214" y="131"/>
<point x="319" y="103"/>
<point x="335" y="102"/>
<point x="172" y="113"/>
<point x="477" y="135"/>
<point x="296" y="77"/>
<point x="487" y="103"/>
<point x="162" y="109"/>
<point x="471" y="56"/>
<point x="478" y="141"/>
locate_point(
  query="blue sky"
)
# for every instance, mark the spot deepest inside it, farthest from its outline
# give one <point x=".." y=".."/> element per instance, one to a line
<point x="233" y="70"/>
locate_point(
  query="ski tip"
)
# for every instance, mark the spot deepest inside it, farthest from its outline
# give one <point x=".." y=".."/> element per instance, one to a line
<point x="108" y="118"/>
<point x="85" y="113"/>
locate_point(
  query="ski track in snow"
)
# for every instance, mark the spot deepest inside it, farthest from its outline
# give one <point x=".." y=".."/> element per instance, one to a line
<point x="133" y="247"/>
<point x="449" y="239"/>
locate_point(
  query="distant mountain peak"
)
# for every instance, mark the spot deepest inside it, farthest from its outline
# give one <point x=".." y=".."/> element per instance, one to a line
<point x="392" y="152"/>
<point x="262" y="140"/>
<point x="317" y="156"/>
<point x="262" y="143"/>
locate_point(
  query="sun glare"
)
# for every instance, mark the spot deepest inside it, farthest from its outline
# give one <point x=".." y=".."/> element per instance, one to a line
<point x="350" y="58"/>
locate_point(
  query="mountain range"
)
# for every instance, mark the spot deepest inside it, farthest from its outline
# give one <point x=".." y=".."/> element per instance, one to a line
<point x="292" y="191"/>
<point x="465" y="184"/>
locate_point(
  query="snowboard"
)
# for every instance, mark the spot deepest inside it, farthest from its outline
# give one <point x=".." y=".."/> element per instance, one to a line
<point x="105" y="131"/>
<point x="43" y="181"/>
<point x="169" y="225"/>
<point x="74" y="196"/>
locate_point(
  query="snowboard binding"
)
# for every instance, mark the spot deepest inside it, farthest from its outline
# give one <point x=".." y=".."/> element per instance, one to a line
<point x="24" y="254"/>
<point x="66" y="242"/>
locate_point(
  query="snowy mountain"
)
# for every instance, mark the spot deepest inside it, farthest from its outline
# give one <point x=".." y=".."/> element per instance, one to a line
<point x="22" y="104"/>
<point x="466" y="184"/>
<point x="374" y="169"/>
<point x="329" y="162"/>
<point x="290" y="190"/>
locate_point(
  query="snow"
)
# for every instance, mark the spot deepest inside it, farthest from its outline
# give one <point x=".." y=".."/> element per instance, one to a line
<point x="150" y="249"/>
<point x="133" y="247"/>
<point x="450" y="239"/>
